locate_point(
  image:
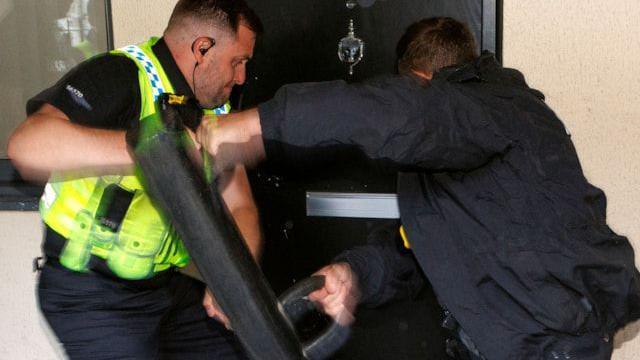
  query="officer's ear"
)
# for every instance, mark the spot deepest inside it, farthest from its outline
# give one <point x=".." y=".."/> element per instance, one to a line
<point x="201" y="46"/>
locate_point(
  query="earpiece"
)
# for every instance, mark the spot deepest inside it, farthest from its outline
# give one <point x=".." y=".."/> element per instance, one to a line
<point x="205" y="45"/>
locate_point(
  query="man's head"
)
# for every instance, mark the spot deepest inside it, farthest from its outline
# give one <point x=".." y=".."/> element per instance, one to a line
<point x="211" y="41"/>
<point x="431" y="44"/>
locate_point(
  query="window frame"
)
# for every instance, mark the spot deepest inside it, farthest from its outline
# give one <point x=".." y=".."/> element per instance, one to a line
<point x="16" y="194"/>
<point x="492" y="27"/>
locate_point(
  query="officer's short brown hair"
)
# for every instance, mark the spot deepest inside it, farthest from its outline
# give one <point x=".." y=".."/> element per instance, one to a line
<point x="226" y="14"/>
<point x="431" y="44"/>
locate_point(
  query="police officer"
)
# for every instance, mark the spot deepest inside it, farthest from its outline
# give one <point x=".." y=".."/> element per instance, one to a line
<point x="108" y="287"/>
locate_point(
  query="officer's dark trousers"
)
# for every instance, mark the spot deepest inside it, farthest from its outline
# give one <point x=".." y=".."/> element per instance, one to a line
<point x="100" y="317"/>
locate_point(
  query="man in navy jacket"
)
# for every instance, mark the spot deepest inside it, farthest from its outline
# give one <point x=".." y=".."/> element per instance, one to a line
<point x="492" y="196"/>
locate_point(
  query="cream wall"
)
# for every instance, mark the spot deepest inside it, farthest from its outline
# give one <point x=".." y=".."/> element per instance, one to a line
<point x="133" y="21"/>
<point x="584" y="55"/>
<point x="23" y="331"/>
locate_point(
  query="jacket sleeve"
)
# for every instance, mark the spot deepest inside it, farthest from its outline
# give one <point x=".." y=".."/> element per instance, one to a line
<point x="386" y="271"/>
<point x="440" y="127"/>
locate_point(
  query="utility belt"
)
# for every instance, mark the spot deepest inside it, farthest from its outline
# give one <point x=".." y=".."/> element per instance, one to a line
<point x="102" y="217"/>
<point x="54" y="244"/>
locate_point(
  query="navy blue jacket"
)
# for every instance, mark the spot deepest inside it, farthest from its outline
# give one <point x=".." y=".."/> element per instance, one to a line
<point x="500" y="217"/>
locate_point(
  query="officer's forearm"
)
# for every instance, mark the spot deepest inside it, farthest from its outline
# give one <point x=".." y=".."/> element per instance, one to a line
<point x="236" y="192"/>
<point x="48" y="141"/>
<point x="234" y="139"/>
<point x="249" y="225"/>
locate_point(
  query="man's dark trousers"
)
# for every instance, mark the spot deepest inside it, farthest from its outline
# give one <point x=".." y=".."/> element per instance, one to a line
<point x="97" y="316"/>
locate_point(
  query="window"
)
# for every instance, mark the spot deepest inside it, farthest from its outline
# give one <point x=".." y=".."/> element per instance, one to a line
<point x="41" y="40"/>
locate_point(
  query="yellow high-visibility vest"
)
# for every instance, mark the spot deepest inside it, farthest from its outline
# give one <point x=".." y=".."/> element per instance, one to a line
<point x="144" y="242"/>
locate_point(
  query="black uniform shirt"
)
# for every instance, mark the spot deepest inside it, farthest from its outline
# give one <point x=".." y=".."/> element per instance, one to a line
<point x="104" y="91"/>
